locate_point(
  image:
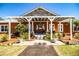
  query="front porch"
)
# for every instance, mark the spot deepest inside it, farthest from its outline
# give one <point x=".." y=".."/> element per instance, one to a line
<point x="40" y="25"/>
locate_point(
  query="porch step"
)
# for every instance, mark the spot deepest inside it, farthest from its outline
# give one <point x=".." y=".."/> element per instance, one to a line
<point x="39" y="37"/>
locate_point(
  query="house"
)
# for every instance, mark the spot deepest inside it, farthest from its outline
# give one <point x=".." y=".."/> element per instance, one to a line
<point x="39" y="21"/>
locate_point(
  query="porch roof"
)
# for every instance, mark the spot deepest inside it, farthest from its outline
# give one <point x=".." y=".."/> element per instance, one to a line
<point x="42" y="18"/>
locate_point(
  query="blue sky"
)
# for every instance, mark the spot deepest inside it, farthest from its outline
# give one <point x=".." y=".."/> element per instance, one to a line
<point x="16" y="9"/>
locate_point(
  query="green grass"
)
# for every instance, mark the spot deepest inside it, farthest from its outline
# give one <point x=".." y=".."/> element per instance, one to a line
<point x="11" y="50"/>
<point x="68" y="50"/>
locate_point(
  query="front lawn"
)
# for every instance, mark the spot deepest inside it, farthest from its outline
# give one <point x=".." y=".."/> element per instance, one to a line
<point x="11" y="50"/>
<point x="68" y="50"/>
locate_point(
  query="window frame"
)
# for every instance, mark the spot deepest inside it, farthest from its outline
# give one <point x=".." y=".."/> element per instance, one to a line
<point x="53" y="27"/>
<point x="4" y="28"/>
<point x="76" y="28"/>
<point x="59" y="27"/>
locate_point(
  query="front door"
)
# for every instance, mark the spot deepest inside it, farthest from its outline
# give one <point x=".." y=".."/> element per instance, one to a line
<point x="40" y="27"/>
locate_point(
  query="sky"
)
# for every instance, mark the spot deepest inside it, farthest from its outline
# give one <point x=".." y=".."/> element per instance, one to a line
<point x="17" y="9"/>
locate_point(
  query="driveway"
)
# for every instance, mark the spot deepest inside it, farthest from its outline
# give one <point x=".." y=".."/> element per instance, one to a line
<point x="39" y="50"/>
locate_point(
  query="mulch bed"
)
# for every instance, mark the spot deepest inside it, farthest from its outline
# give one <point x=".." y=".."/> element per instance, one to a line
<point x="8" y="42"/>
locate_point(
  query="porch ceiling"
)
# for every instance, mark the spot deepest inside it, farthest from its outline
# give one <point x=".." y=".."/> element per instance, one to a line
<point x="42" y="18"/>
<point x="63" y="19"/>
<point x="21" y="19"/>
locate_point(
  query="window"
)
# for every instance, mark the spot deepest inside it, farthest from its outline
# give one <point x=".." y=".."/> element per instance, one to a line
<point x="75" y="28"/>
<point x="40" y="26"/>
<point x="3" y="28"/>
<point x="53" y="27"/>
<point x="60" y="27"/>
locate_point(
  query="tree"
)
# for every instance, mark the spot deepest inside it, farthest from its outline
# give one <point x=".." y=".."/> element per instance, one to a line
<point x="21" y="28"/>
<point x="76" y="22"/>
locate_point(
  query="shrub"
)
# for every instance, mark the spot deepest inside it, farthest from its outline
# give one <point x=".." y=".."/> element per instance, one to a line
<point x="4" y="38"/>
<point x="47" y="37"/>
<point x="24" y="36"/>
<point x="21" y="28"/>
<point x="58" y="35"/>
<point x="76" y="35"/>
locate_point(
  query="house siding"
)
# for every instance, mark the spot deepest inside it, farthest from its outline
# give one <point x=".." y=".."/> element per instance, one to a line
<point x="13" y="27"/>
<point x="66" y="26"/>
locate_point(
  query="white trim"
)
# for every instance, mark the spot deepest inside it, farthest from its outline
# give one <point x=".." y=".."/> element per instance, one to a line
<point x="71" y="29"/>
<point x="29" y="29"/>
<point x="51" y="20"/>
<point x="51" y="29"/>
<point x="9" y="30"/>
<point x="38" y="16"/>
<point x="29" y="25"/>
<point x="4" y="21"/>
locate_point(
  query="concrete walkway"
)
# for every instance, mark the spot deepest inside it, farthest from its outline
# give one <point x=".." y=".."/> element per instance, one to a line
<point x="39" y="50"/>
<point x="35" y="42"/>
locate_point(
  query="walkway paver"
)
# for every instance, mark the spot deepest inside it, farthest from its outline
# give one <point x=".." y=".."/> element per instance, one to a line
<point x="39" y="50"/>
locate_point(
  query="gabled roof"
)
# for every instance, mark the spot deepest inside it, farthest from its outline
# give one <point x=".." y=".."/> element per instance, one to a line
<point x="40" y="12"/>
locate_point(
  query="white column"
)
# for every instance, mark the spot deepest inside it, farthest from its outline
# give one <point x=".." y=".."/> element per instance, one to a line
<point x="29" y="29"/>
<point x="59" y="26"/>
<point x="71" y="29"/>
<point x="51" y="28"/>
<point x="47" y="26"/>
<point x="32" y="27"/>
<point x="51" y="20"/>
<point x="9" y="30"/>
